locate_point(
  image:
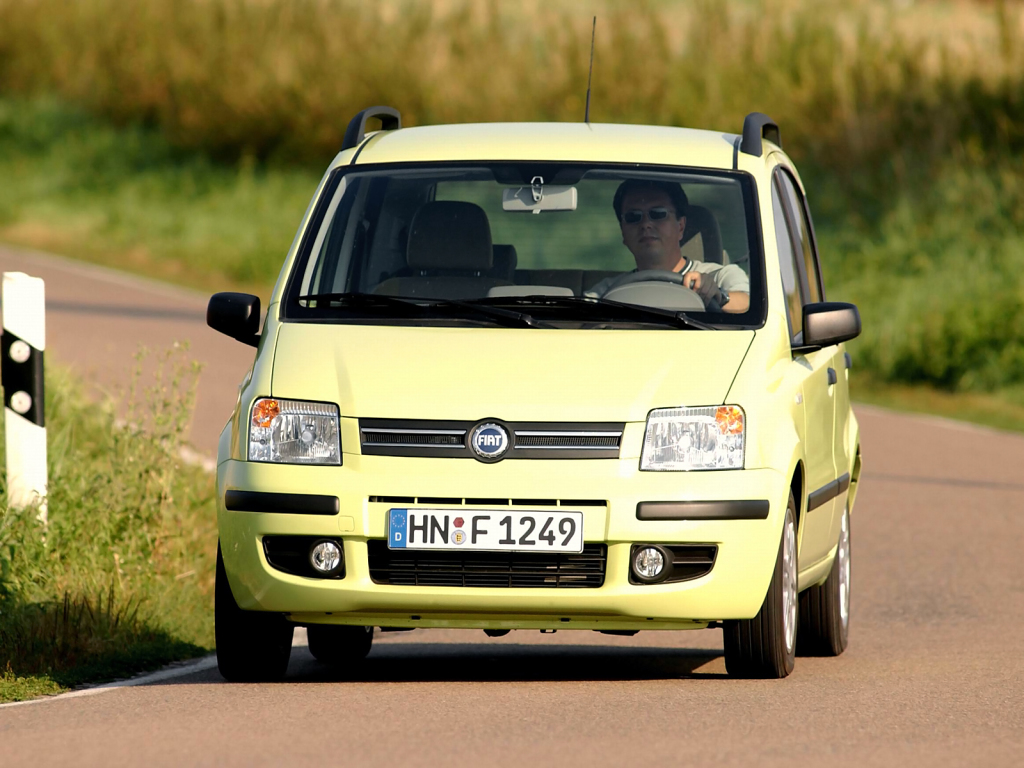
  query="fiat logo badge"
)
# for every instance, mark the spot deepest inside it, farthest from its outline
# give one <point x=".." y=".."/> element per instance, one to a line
<point x="489" y="441"/>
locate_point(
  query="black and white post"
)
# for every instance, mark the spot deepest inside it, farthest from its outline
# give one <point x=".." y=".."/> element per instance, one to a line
<point x="21" y="369"/>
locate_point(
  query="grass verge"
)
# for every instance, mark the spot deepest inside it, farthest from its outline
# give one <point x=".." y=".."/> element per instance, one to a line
<point x="121" y="579"/>
<point x="1003" y="409"/>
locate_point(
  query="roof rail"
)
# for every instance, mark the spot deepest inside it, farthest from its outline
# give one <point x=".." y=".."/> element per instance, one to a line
<point x="756" y="126"/>
<point x="390" y="120"/>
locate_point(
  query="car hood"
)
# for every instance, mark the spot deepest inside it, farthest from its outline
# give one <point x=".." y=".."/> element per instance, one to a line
<point x="376" y="371"/>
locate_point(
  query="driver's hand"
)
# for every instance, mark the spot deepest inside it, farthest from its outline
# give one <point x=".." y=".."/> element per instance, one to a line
<point x="692" y="280"/>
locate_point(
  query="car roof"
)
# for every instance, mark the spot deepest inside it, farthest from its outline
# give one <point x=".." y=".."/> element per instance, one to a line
<point x="583" y="142"/>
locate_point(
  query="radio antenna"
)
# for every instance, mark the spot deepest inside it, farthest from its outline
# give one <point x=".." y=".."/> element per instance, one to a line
<point x="590" y="75"/>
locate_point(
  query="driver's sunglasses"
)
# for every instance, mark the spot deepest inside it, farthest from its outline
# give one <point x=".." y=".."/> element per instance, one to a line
<point x="654" y="214"/>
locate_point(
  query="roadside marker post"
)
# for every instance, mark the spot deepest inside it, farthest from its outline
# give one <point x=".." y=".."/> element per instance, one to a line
<point x="21" y="371"/>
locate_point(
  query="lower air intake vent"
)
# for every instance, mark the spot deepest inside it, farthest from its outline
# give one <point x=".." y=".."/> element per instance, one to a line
<point x="427" y="568"/>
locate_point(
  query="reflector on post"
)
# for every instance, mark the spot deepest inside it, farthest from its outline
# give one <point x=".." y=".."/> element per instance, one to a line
<point x="21" y="371"/>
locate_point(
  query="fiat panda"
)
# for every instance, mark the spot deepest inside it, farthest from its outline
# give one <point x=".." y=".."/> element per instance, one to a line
<point x="539" y="377"/>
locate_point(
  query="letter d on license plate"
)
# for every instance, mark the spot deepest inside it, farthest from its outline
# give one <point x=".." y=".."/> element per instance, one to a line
<point x="485" y="529"/>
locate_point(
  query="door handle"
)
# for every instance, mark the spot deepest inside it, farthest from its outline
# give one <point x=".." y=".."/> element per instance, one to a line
<point x="832" y="378"/>
<point x="849" y="360"/>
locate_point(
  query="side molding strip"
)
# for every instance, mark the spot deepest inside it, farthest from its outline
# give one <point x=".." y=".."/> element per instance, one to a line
<point x="748" y="509"/>
<point x="828" y="492"/>
<point x="281" y="503"/>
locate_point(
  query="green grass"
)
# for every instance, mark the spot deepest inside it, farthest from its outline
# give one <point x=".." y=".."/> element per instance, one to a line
<point x="121" y="578"/>
<point x="1003" y="409"/>
<point x="126" y="198"/>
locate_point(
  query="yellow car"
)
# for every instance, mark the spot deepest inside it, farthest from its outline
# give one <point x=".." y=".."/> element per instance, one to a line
<point x="542" y="377"/>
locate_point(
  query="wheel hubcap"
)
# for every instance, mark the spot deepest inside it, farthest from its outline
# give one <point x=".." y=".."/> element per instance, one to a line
<point x="789" y="597"/>
<point x="844" y="570"/>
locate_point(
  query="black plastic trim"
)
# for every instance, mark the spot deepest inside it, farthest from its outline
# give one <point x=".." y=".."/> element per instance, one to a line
<point x="290" y="554"/>
<point x="390" y="120"/>
<point x="281" y="503"/>
<point x="757" y="126"/>
<point x="685" y="562"/>
<point x="828" y="492"/>
<point x="747" y="509"/>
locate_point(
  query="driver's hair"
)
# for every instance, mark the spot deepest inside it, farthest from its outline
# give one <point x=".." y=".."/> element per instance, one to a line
<point x="671" y="188"/>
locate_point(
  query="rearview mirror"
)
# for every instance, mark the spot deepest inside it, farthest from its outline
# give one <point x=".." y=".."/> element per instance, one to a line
<point x="236" y="315"/>
<point x="538" y="197"/>
<point x="829" y="322"/>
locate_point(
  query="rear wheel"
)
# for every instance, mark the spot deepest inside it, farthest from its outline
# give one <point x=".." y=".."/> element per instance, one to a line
<point x="765" y="646"/>
<point x="252" y="646"/>
<point x="825" y="609"/>
<point x="337" y="645"/>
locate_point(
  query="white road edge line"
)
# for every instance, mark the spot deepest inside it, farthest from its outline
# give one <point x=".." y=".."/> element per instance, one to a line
<point x="167" y="673"/>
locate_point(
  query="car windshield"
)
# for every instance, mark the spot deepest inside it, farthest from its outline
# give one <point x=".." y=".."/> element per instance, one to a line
<point x="536" y="245"/>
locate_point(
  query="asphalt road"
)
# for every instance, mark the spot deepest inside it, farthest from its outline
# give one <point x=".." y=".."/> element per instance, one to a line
<point x="934" y="674"/>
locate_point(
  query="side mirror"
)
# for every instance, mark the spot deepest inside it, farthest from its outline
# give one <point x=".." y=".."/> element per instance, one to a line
<point x="236" y="315"/>
<point x="829" y="322"/>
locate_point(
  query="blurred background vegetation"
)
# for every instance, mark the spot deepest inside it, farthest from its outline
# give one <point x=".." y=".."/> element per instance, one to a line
<point x="183" y="138"/>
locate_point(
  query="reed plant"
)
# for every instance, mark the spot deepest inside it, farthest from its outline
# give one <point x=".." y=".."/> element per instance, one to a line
<point x="848" y="79"/>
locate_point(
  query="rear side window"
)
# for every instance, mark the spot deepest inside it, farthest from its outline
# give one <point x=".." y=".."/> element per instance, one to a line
<point x="788" y="266"/>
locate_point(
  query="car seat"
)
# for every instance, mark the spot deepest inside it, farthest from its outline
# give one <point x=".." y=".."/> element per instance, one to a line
<point x="700" y="221"/>
<point x="449" y="254"/>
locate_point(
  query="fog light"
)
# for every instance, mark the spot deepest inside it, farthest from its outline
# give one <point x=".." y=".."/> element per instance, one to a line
<point x="650" y="564"/>
<point x="325" y="557"/>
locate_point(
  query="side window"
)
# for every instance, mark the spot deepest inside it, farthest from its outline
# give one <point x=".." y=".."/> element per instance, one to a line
<point x="803" y="231"/>
<point x="788" y="266"/>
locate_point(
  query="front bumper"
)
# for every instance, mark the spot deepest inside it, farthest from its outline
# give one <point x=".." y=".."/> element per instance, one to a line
<point x="734" y="589"/>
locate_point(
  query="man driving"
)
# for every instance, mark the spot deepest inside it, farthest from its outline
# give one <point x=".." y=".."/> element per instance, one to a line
<point x="652" y="217"/>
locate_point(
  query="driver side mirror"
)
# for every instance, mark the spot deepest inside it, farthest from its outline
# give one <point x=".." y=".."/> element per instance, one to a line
<point x="827" y="323"/>
<point x="236" y="315"/>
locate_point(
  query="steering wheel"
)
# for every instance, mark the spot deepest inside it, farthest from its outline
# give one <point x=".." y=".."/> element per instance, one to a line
<point x="657" y="276"/>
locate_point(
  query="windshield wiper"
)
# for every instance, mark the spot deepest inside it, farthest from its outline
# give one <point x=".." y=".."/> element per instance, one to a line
<point x="426" y="307"/>
<point x="606" y="306"/>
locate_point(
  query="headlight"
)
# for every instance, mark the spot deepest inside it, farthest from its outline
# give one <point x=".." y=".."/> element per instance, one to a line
<point x="694" y="438"/>
<point x="294" y="432"/>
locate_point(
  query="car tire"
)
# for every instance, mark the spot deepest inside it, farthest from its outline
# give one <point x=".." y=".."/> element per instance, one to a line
<point x="252" y="646"/>
<point x="825" y="608"/>
<point x="337" y="645"/>
<point x="765" y="646"/>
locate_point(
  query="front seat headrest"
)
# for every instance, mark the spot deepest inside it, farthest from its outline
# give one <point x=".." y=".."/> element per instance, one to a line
<point x="701" y="221"/>
<point x="449" y="234"/>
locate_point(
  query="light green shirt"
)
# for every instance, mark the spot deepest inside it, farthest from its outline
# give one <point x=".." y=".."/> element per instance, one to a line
<point x="728" y="277"/>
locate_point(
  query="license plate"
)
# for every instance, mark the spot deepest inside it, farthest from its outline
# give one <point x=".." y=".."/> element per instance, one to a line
<point x="521" y="531"/>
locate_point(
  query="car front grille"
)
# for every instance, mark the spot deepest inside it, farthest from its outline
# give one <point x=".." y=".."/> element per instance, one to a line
<point x="433" y="568"/>
<point x="529" y="440"/>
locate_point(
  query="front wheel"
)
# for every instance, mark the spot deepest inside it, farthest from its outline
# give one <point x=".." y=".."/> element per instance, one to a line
<point x="765" y="646"/>
<point x="251" y="646"/>
<point x="825" y="608"/>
